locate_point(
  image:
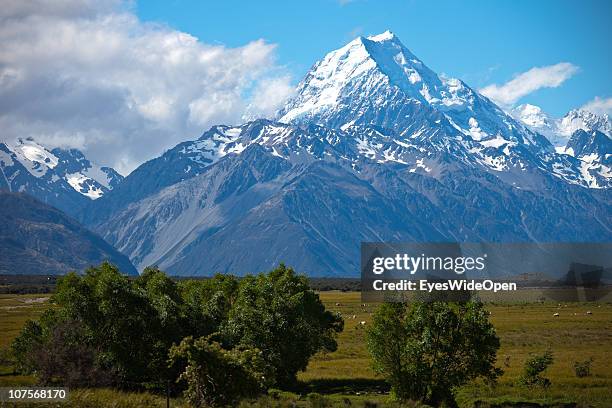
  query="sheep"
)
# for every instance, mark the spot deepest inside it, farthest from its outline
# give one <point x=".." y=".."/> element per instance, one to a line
<point x="589" y="312"/>
<point x="556" y="315"/>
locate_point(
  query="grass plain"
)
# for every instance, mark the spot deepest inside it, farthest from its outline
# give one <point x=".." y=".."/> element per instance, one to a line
<point x="345" y="377"/>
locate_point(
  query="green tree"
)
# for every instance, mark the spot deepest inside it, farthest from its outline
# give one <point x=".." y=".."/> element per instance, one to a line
<point x="208" y="302"/>
<point x="116" y="317"/>
<point x="30" y="338"/>
<point x="119" y="319"/>
<point x="427" y="349"/>
<point x="107" y="329"/>
<point x="215" y="376"/>
<point x="534" y="368"/>
<point x="171" y="320"/>
<point x="280" y="315"/>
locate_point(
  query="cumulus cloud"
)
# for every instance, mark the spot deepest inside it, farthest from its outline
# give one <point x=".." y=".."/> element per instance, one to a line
<point x="268" y="96"/>
<point x="599" y="106"/>
<point x="523" y="84"/>
<point x="89" y="74"/>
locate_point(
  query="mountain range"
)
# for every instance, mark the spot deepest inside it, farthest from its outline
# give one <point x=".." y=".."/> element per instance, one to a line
<point x="374" y="146"/>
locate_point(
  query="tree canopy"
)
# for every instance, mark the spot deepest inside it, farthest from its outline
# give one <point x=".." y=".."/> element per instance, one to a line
<point x="427" y="349"/>
<point x="279" y="314"/>
<point x="106" y="329"/>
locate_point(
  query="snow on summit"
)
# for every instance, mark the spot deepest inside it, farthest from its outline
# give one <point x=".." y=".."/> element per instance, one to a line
<point x="377" y="82"/>
<point x="372" y="63"/>
<point x="45" y="168"/>
<point x="35" y="158"/>
<point x="559" y="131"/>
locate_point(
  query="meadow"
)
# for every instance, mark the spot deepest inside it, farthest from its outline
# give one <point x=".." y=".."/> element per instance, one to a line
<point x="345" y="377"/>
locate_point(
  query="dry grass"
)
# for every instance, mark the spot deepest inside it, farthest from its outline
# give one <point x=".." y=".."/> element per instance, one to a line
<point x="15" y="310"/>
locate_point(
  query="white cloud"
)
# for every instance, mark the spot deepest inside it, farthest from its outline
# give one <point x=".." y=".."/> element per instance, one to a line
<point x="523" y="84"/>
<point x="268" y="96"/>
<point x="599" y="106"/>
<point x="91" y="75"/>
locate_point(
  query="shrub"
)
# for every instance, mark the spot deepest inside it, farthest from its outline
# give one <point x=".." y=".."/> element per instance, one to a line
<point x="533" y="369"/>
<point x="66" y="358"/>
<point x="217" y="377"/>
<point x="29" y="339"/>
<point x="317" y="400"/>
<point x="583" y="368"/>
<point x="425" y="350"/>
<point x="6" y="357"/>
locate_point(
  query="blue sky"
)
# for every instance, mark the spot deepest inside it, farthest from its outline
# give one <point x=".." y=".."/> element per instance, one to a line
<point x="481" y="42"/>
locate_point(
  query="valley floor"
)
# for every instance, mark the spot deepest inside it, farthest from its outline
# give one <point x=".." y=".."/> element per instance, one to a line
<point x="345" y="378"/>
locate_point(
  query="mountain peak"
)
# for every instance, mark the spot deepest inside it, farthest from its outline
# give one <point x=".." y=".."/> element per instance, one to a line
<point x="586" y="120"/>
<point x="559" y="131"/>
<point x="386" y="36"/>
<point x="533" y="116"/>
<point x="377" y="81"/>
<point x="365" y="67"/>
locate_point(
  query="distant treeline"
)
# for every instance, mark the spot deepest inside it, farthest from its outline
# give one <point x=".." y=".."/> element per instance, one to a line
<point x="27" y="284"/>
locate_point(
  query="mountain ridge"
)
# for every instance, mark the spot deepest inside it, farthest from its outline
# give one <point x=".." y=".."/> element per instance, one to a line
<point x="64" y="178"/>
<point x="37" y="239"/>
<point x="560" y="130"/>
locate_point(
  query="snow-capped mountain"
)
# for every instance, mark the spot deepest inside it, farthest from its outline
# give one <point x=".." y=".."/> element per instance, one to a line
<point x="589" y="143"/>
<point x="580" y="119"/>
<point x="63" y="178"/>
<point x="539" y="121"/>
<point x="581" y="134"/>
<point x="374" y="146"/>
<point x="378" y="81"/>
<point x="593" y="149"/>
<point x="269" y="190"/>
<point x="559" y="131"/>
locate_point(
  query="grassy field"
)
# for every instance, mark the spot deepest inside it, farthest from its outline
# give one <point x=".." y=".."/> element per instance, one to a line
<point x="523" y="328"/>
<point x="345" y="376"/>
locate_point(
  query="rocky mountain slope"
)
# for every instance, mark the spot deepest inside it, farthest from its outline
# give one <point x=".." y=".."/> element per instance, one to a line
<point x="36" y="238"/>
